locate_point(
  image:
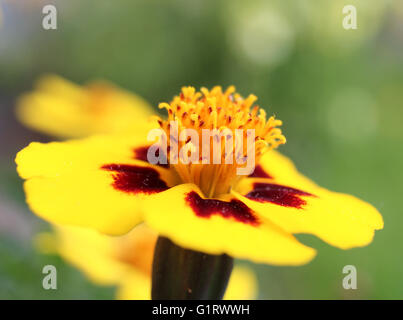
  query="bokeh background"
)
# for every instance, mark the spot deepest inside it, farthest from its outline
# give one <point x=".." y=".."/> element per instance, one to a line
<point x="339" y="93"/>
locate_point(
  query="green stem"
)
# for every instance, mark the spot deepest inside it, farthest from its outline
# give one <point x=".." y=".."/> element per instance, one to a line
<point x="180" y="273"/>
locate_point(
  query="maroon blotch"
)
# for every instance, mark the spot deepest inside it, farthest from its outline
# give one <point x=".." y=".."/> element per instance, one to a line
<point x="236" y="209"/>
<point x="140" y="153"/>
<point x="135" y="179"/>
<point x="278" y="194"/>
<point x="259" y="172"/>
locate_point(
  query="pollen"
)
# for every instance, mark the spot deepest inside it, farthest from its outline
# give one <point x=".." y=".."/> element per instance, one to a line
<point x="232" y="121"/>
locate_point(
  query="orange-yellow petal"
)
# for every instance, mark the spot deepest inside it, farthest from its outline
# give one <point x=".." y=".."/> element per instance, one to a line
<point x="298" y="205"/>
<point x="242" y="284"/>
<point x="95" y="182"/>
<point x="221" y="226"/>
<point x="88" y="250"/>
<point x="134" y="286"/>
<point x="63" y="109"/>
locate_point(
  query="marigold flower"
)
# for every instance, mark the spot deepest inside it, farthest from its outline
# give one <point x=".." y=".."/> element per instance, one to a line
<point x="106" y="183"/>
<point x="63" y="109"/>
<point x="125" y="261"/>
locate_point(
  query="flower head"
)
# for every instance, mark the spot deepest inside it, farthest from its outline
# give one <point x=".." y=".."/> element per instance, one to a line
<point x="63" y="109"/>
<point x="106" y="183"/>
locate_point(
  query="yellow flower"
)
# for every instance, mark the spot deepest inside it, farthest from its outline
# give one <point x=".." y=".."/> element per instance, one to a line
<point x="125" y="261"/>
<point x="105" y="183"/>
<point x="63" y="109"/>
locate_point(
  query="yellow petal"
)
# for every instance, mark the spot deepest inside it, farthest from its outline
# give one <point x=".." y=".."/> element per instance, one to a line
<point x="282" y="170"/>
<point x="135" y="286"/>
<point x="124" y="261"/>
<point x="242" y="285"/>
<point x="102" y="258"/>
<point x="171" y="215"/>
<point x="75" y="182"/>
<point x="61" y="108"/>
<point x="339" y="219"/>
<point x="91" y="252"/>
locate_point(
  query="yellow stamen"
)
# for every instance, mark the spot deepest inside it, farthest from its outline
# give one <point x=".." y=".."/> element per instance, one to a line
<point x="225" y="112"/>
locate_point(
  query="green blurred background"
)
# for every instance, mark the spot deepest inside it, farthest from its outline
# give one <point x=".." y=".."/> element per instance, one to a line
<point x="339" y="93"/>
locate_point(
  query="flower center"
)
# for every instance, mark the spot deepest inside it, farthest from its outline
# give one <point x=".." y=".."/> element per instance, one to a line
<point x="241" y="129"/>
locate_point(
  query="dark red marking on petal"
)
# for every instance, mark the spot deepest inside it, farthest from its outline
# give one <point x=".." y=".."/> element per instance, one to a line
<point x="140" y="153"/>
<point x="135" y="179"/>
<point x="278" y="194"/>
<point x="233" y="209"/>
<point x="260" y="173"/>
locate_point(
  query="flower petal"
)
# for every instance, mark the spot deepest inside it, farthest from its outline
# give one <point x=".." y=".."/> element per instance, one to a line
<point x="56" y="158"/>
<point x="61" y="108"/>
<point x="88" y="250"/>
<point x="273" y="165"/>
<point x="298" y="205"/>
<point x="134" y="286"/>
<point x="219" y="226"/>
<point x="94" y="182"/>
<point x="242" y="285"/>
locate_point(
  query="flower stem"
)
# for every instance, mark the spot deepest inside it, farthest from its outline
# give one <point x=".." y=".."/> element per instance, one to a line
<point x="180" y="273"/>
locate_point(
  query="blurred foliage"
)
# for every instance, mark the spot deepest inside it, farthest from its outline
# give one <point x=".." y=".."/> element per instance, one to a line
<point x="339" y="93"/>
